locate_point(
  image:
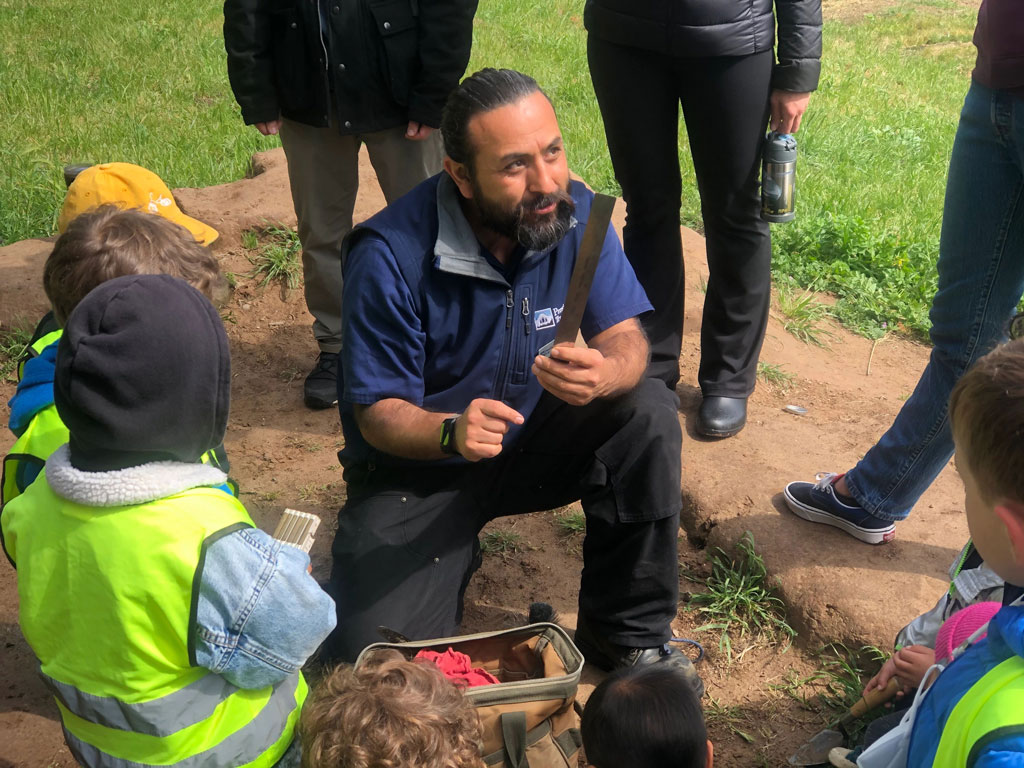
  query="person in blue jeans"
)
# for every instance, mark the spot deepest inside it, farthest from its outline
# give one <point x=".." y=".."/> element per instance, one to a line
<point x="981" y="280"/>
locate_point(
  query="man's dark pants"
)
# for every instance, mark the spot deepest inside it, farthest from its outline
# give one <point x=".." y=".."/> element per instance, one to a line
<point x="407" y="539"/>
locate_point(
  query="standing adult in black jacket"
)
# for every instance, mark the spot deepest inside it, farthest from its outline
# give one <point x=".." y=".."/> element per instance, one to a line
<point x="331" y="75"/>
<point x="716" y="58"/>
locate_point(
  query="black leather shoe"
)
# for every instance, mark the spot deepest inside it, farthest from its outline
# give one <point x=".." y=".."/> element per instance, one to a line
<point x="721" y="416"/>
<point x="321" y="387"/>
<point x="609" y="657"/>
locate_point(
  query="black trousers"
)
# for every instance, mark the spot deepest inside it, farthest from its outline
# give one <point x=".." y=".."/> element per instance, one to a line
<point x="407" y="539"/>
<point x="725" y="107"/>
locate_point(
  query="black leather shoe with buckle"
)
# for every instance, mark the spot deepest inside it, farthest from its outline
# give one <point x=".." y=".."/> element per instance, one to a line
<point x="321" y="388"/>
<point x="609" y="657"/>
<point x="721" y="416"/>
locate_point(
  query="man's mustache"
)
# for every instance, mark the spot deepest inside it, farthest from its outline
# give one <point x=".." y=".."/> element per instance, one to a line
<point x="558" y="196"/>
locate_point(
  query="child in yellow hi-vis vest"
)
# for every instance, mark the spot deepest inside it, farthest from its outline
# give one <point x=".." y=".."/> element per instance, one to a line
<point x="170" y="630"/>
<point x="98" y="244"/>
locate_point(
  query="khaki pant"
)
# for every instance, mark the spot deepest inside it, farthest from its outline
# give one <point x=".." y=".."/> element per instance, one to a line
<point x="323" y="170"/>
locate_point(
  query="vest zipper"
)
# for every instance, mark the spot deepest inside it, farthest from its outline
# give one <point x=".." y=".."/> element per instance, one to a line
<point x="526" y="314"/>
<point x="509" y="303"/>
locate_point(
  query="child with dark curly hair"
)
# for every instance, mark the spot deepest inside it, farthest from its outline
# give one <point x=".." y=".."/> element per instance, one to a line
<point x="389" y="713"/>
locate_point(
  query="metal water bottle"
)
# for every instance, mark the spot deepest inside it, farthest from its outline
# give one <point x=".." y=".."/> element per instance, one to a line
<point x="778" y="178"/>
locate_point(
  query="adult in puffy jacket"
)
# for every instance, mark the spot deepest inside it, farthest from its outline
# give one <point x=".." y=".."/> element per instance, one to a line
<point x="716" y="58"/>
<point x="331" y="76"/>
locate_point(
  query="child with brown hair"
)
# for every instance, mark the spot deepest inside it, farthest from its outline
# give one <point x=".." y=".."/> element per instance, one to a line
<point x="973" y="712"/>
<point x="96" y="246"/>
<point x="389" y="713"/>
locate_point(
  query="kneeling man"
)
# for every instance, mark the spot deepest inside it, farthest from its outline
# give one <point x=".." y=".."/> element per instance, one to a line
<point x="451" y="417"/>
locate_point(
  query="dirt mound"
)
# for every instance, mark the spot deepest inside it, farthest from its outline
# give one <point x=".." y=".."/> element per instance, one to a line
<point x="284" y="456"/>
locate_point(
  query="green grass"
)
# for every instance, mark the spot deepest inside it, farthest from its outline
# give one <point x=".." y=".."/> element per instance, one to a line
<point x="802" y="315"/>
<point x="774" y="376"/>
<point x="14" y="341"/>
<point x="277" y="257"/>
<point x="836" y="685"/>
<point x="502" y="543"/>
<point x="739" y="602"/>
<point x="121" y="80"/>
<point x="150" y="87"/>
<point x="571" y="523"/>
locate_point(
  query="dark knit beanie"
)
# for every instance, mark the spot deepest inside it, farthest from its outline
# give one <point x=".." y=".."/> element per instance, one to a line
<point x="143" y="374"/>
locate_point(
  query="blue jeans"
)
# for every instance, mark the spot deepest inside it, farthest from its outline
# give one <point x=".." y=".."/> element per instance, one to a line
<point x="981" y="279"/>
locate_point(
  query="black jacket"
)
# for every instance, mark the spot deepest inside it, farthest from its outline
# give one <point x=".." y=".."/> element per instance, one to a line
<point x="718" y="28"/>
<point x="381" y="63"/>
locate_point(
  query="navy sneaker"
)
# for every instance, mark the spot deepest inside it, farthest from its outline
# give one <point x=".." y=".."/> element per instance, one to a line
<point x="819" y="503"/>
<point x="321" y="388"/>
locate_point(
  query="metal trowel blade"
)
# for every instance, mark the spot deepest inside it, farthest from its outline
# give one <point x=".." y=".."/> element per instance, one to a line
<point x="815" y="751"/>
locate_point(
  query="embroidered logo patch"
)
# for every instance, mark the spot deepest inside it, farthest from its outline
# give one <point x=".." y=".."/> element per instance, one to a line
<point x="544" y="318"/>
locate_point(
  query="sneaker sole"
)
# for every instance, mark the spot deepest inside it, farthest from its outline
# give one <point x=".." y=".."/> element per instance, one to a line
<point x="811" y="514"/>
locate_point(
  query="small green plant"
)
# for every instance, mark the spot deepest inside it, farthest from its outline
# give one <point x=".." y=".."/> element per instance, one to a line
<point x="277" y="256"/>
<point x="702" y="285"/>
<point x="716" y="713"/>
<point x="14" y="342"/>
<point x="836" y="685"/>
<point x="801" y="315"/>
<point x="571" y="523"/>
<point x="502" y="543"/>
<point x="773" y="375"/>
<point x="738" y="600"/>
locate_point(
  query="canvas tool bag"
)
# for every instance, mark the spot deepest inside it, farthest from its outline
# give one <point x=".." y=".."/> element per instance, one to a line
<point x="528" y="719"/>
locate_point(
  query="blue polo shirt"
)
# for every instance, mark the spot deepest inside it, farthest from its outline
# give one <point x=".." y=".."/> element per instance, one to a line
<point x="430" y="317"/>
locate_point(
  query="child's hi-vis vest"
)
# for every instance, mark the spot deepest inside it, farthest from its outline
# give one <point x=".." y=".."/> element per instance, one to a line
<point x="993" y="708"/>
<point x="108" y="601"/>
<point x="43" y="435"/>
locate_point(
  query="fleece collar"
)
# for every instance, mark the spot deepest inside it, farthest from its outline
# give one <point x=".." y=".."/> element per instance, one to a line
<point x="120" y="487"/>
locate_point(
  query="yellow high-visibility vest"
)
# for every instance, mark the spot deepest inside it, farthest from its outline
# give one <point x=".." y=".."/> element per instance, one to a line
<point x="108" y="599"/>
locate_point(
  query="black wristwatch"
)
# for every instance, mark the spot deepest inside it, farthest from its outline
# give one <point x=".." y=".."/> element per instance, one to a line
<point x="448" y="436"/>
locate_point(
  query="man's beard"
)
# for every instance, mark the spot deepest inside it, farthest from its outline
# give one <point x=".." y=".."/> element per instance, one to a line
<point x="532" y="232"/>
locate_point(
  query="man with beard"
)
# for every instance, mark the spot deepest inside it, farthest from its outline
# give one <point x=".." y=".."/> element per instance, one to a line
<point x="452" y="418"/>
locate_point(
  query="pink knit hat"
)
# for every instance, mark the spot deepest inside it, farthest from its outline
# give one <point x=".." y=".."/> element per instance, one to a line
<point x="960" y="626"/>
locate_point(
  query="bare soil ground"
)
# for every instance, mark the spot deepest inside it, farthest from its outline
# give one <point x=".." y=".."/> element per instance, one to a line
<point x="761" y="706"/>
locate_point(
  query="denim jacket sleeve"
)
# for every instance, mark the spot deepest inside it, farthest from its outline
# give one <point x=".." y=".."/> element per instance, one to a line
<point x="259" y="613"/>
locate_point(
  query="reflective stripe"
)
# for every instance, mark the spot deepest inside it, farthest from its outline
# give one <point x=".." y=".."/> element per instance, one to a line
<point x="241" y="747"/>
<point x="159" y="717"/>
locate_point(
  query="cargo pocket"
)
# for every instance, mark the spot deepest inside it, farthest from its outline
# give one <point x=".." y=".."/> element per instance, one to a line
<point x="397" y="26"/>
<point x="290" y="53"/>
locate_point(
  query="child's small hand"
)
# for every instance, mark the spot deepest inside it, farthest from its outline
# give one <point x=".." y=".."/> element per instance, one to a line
<point x="879" y="681"/>
<point x="911" y="663"/>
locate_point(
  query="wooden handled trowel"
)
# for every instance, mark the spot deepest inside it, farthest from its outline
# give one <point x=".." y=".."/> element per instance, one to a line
<point x="815" y="751"/>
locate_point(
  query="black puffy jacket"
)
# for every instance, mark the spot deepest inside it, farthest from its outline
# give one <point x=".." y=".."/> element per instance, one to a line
<point x="718" y="28"/>
<point x="381" y="62"/>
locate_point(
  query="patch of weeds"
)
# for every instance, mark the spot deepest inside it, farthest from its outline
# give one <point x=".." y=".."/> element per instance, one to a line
<point x="277" y="256"/>
<point x="846" y="672"/>
<point x="14" y="342"/>
<point x="502" y="543"/>
<point x="288" y="375"/>
<point x="774" y="376"/>
<point x="738" y="601"/>
<point x="313" y="492"/>
<point x="269" y="496"/>
<point x="836" y="685"/>
<point x="250" y="240"/>
<point x="716" y="713"/>
<point x="801" y="316"/>
<point x="571" y="523"/>
<point x="702" y="285"/>
<point x="230" y="277"/>
<point x="229" y="317"/>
